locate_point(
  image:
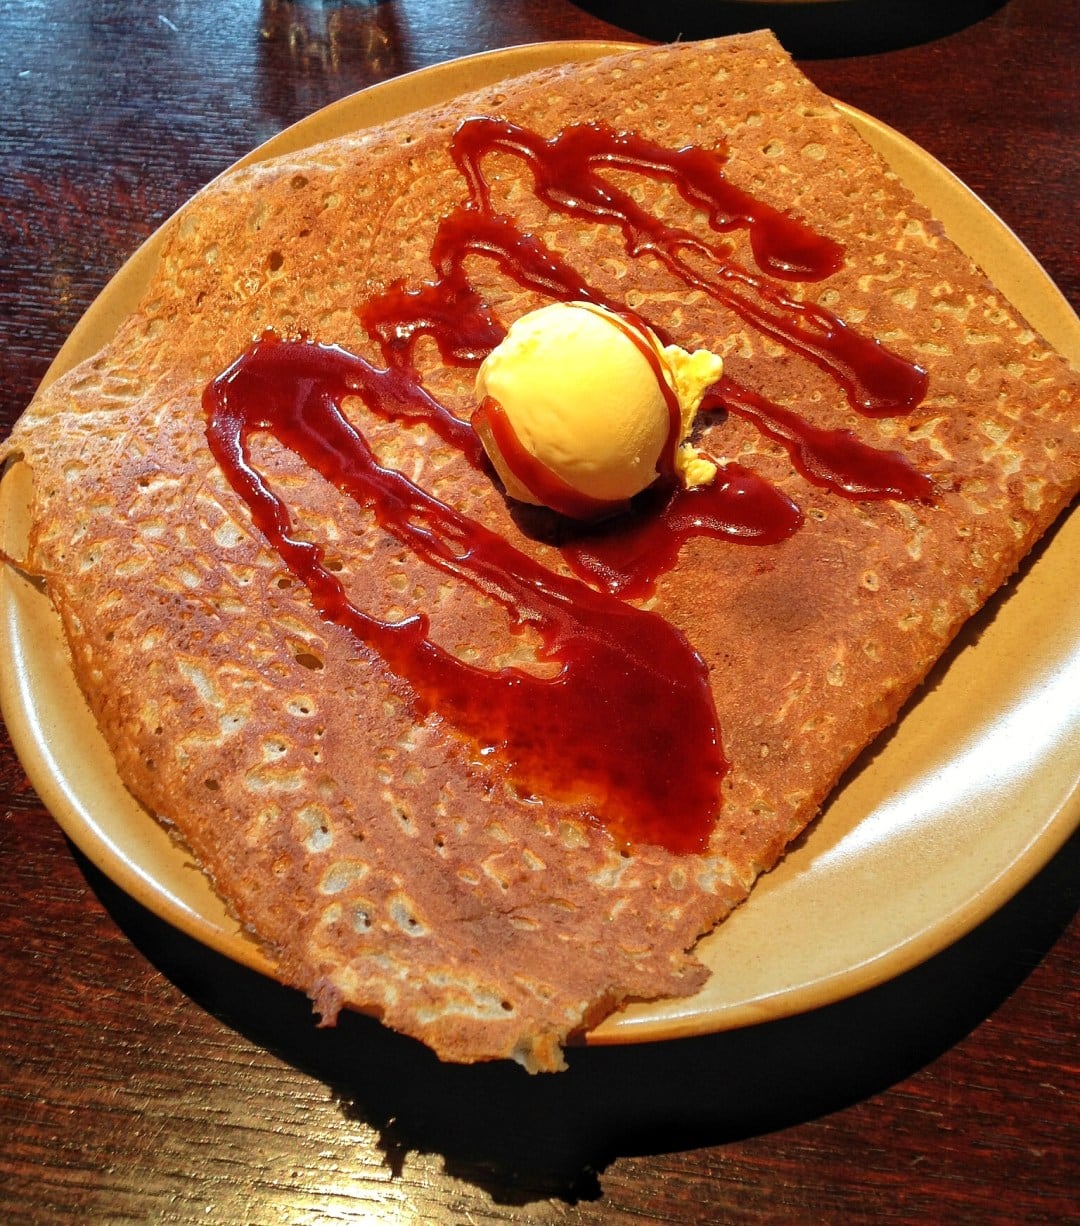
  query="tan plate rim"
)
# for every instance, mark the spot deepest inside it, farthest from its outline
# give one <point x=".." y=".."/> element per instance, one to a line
<point x="51" y="738"/>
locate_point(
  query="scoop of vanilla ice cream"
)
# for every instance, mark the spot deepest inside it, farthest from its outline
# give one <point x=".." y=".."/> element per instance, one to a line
<point x="584" y="400"/>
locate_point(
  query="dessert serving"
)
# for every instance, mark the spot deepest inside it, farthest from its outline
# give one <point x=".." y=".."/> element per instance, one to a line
<point x="495" y="532"/>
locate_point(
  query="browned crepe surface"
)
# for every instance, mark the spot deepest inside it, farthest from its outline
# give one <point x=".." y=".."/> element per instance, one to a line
<point x="380" y="865"/>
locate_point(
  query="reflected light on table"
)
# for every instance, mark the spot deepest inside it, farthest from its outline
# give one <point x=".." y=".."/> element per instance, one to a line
<point x="372" y="1195"/>
<point x="306" y="44"/>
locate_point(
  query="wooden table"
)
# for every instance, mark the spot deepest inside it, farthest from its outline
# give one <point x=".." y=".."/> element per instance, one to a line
<point x="145" y="1079"/>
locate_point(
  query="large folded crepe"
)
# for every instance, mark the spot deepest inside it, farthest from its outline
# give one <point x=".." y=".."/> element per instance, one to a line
<point x="361" y="836"/>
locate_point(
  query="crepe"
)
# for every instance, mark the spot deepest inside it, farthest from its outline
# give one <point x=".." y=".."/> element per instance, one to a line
<point x="388" y="862"/>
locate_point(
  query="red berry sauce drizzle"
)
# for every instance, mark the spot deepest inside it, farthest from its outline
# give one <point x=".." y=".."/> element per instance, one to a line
<point x="626" y="730"/>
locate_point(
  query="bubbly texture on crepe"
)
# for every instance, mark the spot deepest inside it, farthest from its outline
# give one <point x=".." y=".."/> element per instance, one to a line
<point x="390" y="859"/>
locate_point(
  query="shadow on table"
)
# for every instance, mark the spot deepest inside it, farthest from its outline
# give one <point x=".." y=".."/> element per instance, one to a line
<point x="525" y="1138"/>
<point x="828" y="29"/>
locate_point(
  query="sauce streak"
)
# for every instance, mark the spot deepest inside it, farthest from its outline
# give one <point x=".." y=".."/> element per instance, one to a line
<point x="834" y="459"/>
<point x="567" y="173"/>
<point x="626" y="729"/>
<point x="624" y="556"/>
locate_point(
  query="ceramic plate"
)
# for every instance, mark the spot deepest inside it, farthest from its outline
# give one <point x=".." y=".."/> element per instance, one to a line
<point x="937" y="826"/>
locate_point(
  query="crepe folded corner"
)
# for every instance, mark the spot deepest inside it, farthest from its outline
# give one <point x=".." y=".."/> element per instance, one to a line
<point x="385" y="858"/>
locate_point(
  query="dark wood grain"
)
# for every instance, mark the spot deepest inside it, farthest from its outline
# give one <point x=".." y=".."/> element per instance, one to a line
<point x="145" y="1079"/>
